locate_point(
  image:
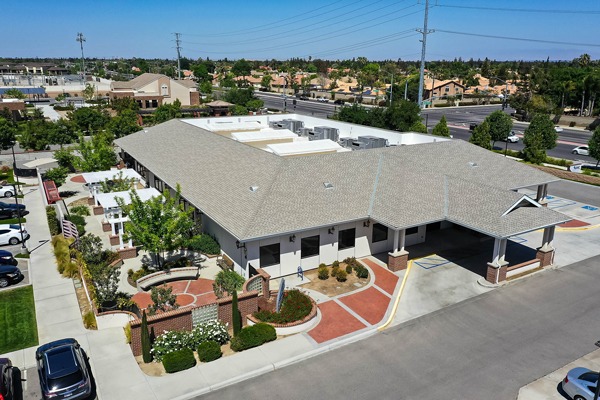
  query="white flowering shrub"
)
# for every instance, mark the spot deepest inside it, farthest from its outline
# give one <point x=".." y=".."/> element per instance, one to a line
<point x="177" y="340"/>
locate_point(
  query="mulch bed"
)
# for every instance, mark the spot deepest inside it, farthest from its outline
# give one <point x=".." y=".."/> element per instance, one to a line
<point x="572" y="176"/>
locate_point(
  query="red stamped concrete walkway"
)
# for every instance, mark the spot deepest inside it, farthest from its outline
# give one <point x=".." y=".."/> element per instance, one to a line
<point x="350" y="313"/>
<point x="575" y="223"/>
<point x="189" y="293"/>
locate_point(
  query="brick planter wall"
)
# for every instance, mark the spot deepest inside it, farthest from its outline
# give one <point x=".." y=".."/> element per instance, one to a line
<point x="106" y="227"/>
<point x="247" y="304"/>
<point x="114" y="240"/>
<point x="91" y="201"/>
<point x="491" y="273"/>
<point x="127" y="252"/>
<point x="180" y="319"/>
<point x="98" y="210"/>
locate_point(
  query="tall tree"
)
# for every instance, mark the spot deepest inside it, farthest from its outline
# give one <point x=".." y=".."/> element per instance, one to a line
<point x="235" y="314"/>
<point x="500" y="125"/>
<point x="90" y="119"/>
<point x="124" y="124"/>
<point x="145" y="339"/>
<point x="594" y="145"/>
<point x="441" y="128"/>
<point x="97" y="154"/>
<point x="8" y="133"/>
<point x="535" y="148"/>
<point x="481" y="136"/>
<point x="544" y="124"/>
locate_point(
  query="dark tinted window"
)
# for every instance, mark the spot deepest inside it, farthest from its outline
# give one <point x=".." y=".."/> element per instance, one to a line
<point x="61" y="362"/>
<point x="3" y="231"/>
<point x="309" y="246"/>
<point x="269" y="255"/>
<point x="346" y="238"/>
<point x="412" y="231"/>
<point x="380" y="233"/>
<point x="14" y="226"/>
<point x="589" y="377"/>
<point x="66" y="381"/>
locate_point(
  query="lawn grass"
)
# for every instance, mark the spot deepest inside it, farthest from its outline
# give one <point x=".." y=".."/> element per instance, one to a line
<point x="12" y="221"/>
<point x="17" y="313"/>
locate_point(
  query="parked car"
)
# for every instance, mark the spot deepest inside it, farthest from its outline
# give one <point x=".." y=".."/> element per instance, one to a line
<point x="6" y="258"/>
<point x="63" y="370"/>
<point x="580" y="383"/>
<point x="512" y="137"/>
<point x="581" y="150"/>
<point x="7" y="191"/>
<point x="472" y="126"/>
<point x="9" y="274"/>
<point x="11" y="234"/>
<point x="558" y="129"/>
<point x="339" y="101"/>
<point x="322" y="100"/>
<point x="8" y="210"/>
<point x="10" y="383"/>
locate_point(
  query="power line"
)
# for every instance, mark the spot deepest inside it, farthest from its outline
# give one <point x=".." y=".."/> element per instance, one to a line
<point x="368" y="43"/>
<point x="518" y="39"/>
<point x="522" y="9"/>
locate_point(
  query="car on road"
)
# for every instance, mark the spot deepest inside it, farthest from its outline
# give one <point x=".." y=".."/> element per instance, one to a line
<point x="7" y="191"/>
<point x="63" y="370"/>
<point x="10" y="383"/>
<point x="6" y="258"/>
<point x="9" y="274"/>
<point x="558" y="129"/>
<point x="11" y="234"/>
<point x="9" y="210"/>
<point x="322" y="100"/>
<point x="580" y="383"/>
<point x="339" y="101"/>
<point x="512" y="137"/>
<point x="581" y="150"/>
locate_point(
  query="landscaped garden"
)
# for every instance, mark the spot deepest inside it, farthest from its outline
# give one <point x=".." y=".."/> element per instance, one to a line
<point x="338" y="278"/>
<point x="17" y="313"/>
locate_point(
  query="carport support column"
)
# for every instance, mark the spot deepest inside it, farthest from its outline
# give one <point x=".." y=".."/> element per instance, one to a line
<point x="542" y="192"/>
<point x="546" y="253"/>
<point x="496" y="270"/>
<point x="398" y="258"/>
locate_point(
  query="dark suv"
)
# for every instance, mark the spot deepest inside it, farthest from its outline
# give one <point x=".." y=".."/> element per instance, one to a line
<point x="9" y="274"/>
<point x="8" y="210"/>
<point x="63" y="369"/>
<point x="10" y="381"/>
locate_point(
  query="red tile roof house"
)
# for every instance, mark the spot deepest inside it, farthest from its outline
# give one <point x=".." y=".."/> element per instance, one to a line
<point x="154" y="90"/>
<point x="278" y="213"/>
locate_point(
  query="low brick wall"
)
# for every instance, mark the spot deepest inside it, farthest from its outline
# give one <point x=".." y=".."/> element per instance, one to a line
<point x="311" y="315"/>
<point x="98" y="210"/>
<point x="114" y="240"/>
<point x="523" y="267"/>
<point x="180" y="319"/>
<point x="127" y="252"/>
<point x="247" y="304"/>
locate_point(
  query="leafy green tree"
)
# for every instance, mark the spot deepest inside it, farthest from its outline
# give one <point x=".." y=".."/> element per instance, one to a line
<point x="106" y="280"/>
<point x="226" y="282"/>
<point x="65" y="159"/>
<point x="201" y="72"/>
<point x="89" y="119"/>
<point x="35" y="134"/>
<point x="64" y="132"/>
<point x="14" y="93"/>
<point x="543" y="123"/>
<point x="254" y="104"/>
<point x="158" y="225"/>
<point x="97" y="154"/>
<point x="535" y="149"/>
<point x="58" y="175"/>
<point x="242" y="68"/>
<point x="120" y="183"/>
<point x="418" y="127"/>
<point x="500" y="125"/>
<point x="8" y="133"/>
<point x="88" y="92"/>
<point x="441" y="129"/>
<point x="124" y="103"/>
<point x="145" y="339"/>
<point x="265" y="82"/>
<point x="594" y="145"/>
<point x="403" y="115"/>
<point x="239" y="110"/>
<point x="167" y="112"/>
<point x="163" y="299"/>
<point x="481" y="136"/>
<point x="205" y="87"/>
<point x="123" y="124"/>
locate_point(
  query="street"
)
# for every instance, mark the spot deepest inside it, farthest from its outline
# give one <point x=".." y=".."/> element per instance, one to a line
<point x="485" y="347"/>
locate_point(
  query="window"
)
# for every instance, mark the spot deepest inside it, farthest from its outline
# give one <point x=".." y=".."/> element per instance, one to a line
<point x="164" y="90"/>
<point x="346" y="238"/>
<point x="269" y="255"/>
<point x="412" y="231"/>
<point x="380" y="233"/>
<point x="158" y="184"/>
<point x="309" y="246"/>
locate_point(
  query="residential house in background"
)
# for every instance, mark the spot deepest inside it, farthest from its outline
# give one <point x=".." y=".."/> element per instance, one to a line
<point x="154" y="90"/>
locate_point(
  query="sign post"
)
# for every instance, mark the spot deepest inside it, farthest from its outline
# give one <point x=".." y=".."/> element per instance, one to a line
<point x="280" y="294"/>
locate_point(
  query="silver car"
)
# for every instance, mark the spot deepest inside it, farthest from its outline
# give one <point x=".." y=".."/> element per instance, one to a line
<point x="512" y="137"/>
<point x="580" y="383"/>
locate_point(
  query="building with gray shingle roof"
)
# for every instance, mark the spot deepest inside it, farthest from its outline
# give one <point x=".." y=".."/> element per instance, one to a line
<point x="265" y="209"/>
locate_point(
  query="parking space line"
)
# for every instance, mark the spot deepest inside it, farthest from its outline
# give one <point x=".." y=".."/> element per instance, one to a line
<point x="560" y="203"/>
<point x="431" y="262"/>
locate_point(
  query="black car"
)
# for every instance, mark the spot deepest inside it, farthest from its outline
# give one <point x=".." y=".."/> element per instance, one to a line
<point x="9" y="274"/>
<point x="10" y="381"/>
<point x="8" y="210"/>
<point x="63" y="370"/>
<point x="6" y="258"/>
<point x="338" y="101"/>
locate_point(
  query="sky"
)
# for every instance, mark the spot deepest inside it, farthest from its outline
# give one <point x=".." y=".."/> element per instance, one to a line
<point x="326" y="29"/>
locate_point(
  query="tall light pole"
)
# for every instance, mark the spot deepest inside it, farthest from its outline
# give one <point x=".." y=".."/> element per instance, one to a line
<point x="17" y="186"/>
<point x="178" y="46"/>
<point x="424" y="32"/>
<point x="81" y="39"/>
<point x="504" y="103"/>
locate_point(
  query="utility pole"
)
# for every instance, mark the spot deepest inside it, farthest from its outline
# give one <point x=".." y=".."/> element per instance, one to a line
<point x="424" y="32"/>
<point x="178" y="46"/>
<point x="81" y="39"/>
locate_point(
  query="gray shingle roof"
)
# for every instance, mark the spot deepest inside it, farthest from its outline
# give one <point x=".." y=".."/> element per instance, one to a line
<point x="399" y="186"/>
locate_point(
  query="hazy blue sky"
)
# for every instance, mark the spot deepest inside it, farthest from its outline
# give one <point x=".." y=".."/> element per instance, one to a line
<point x="281" y="29"/>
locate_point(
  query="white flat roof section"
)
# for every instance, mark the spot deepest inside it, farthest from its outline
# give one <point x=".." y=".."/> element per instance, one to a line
<point x="101" y="176"/>
<point x="263" y="134"/>
<point x="108" y="200"/>
<point x="305" y="147"/>
<point x="225" y="124"/>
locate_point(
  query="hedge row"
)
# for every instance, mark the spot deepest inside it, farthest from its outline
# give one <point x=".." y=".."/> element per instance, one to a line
<point x="209" y="351"/>
<point x="179" y="360"/>
<point x="253" y="336"/>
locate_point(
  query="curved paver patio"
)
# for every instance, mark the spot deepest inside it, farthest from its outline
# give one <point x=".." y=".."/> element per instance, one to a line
<point x="189" y="293"/>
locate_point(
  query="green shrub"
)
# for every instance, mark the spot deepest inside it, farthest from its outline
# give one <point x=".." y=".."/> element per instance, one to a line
<point x="52" y="221"/>
<point x="209" y="351"/>
<point x="322" y="265"/>
<point x="135" y="275"/>
<point x="253" y="336"/>
<point x="334" y="271"/>
<point x="226" y="282"/>
<point x="348" y="269"/>
<point x="178" y="263"/>
<point x="89" y="320"/>
<point x="361" y="272"/>
<point x="81" y="210"/>
<point x="295" y="306"/>
<point x="341" y="276"/>
<point x="177" y="340"/>
<point x="323" y="273"/>
<point x="179" y="360"/>
<point x="572" y="124"/>
<point x="335" y="264"/>
<point x="204" y="244"/>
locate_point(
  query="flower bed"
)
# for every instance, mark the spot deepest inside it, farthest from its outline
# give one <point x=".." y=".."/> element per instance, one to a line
<point x="295" y="304"/>
<point x="176" y="340"/>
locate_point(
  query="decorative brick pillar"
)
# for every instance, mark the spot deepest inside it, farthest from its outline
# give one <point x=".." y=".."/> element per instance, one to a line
<point x="98" y="210"/>
<point x="266" y="278"/>
<point x="398" y="261"/>
<point x="546" y="256"/>
<point x="499" y="270"/>
<point x="91" y="201"/>
<point x="127" y="252"/>
<point x="114" y="240"/>
<point x="106" y="227"/>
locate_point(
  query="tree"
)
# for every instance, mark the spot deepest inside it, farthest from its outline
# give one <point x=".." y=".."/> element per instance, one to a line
<point x="120" y="183"/>
<point x="594" y="145"/>
<point x="167" y="112"/>
<point x="535" y="150"/>
<point x="14" y="93"/>
<point x="159" y="224"/>
<point x="226" y="282"/>
<point x="89" y="119"/>
<point x="481" y="136"/>
<point x="65" y="159"/>
<point x="265" y="82"/>
<point x="201" y="72"/>
<point x="97" y="154"/>
<point x="500" y="125"/>
<point x="441" y="129"/>
<point x="88" y="92"/>
<point x="124" y="124"/>
<point x="145" y="339"/>
<point x="63" y="133"/>
<point x="106" y="280"/>
<point x="242" y="68"/>
<point x="543" y="123"/>
<point x="402" y="115"/>
<point x="236" y="317"/>
<point x="205" y="87"/>
<point x="35" y="134"/>
<point x="8" y="133"/>
<point x="58" y="175"/>
<point x="124" y="103"/>
<point x="163" y="299"/>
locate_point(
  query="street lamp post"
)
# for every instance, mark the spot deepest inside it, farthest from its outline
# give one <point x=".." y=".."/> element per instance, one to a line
<point x="16" y="186"/>
<point x="504" y="104"/>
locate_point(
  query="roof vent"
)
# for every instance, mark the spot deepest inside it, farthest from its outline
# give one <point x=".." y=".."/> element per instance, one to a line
<point x="473" y="164"/>
<point x="253" y="188"/>
<point x="328" y="185"/>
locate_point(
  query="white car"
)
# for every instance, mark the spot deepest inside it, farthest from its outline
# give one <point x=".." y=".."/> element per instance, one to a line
<point x="7" y="191"/>
<point x="581" y="150"/>
<point x="322" y="100"/>
<point x="512" y="137"/>
<point x="10" y="234"/>
<point x="558" y="129"/>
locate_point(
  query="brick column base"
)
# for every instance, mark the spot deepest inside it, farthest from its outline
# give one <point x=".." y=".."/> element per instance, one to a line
<point x="493" y="269"/>
<point x="91" y="201"/>
<point x="98" y="210"/>
<point x="398" y="261"/>
<point x="106" y="227"/>
<point x="114" y="240"/>
<point x="127" y="252"/>
<point x="546" y="257"/>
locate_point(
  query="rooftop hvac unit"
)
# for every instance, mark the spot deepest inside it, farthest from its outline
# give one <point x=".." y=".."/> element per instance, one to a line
<point x="373" y="141"/>
<point x="313" y="135"/>
<point x="276" y="125"/>
<point x="303" y="131"/>
<point x="357" y="145"/>
<point x="328" y="132"/>
<point x="346" y="142"/>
